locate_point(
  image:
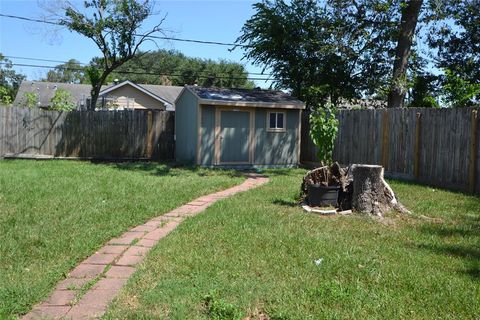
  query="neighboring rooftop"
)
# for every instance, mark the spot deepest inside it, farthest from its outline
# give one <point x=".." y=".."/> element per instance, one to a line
<point x="80" y="92"/>
<point x="46" y="90"/>
<point x="169" y="93"/>
<point x="247" y="97"/>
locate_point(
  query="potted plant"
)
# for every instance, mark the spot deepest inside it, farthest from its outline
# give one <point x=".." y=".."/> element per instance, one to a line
<point x="323" y="132"/>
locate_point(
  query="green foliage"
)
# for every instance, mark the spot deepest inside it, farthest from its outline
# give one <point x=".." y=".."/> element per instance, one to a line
<point x="455" y="36"/>
<point x="9" y="80"/>
<point x="423" y="91"/>
<point x="115" y="28"/>
<point x="218" y="309"/>
<point x="174" y="68"/>
<point x="460" y="92"/>
<point x="70" y="72"/>
<point x="344" y="46"/>
<point x="5" y="97"/>
<point x="62" y="101"/>
<point x="93" y="74"/>
<point x="323" y="132"/>
<point x="31" y="99"/>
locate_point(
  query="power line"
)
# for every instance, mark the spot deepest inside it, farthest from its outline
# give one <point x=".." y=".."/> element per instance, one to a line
<point x="137" y="35"/>
<point x="59" y="61"/>
<point x="29" y="19"/>
<point x="134" y="72"/>
<point x="38" y="59"/>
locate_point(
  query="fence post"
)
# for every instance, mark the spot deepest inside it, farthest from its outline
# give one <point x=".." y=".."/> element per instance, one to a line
<point x="385" y="140"/>
<point x="418" y="131"/>
<point x="473" y="152"/>
<point x="149" y="134"/>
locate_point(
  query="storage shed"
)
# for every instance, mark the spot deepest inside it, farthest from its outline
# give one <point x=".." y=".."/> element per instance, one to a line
<point x="237" y="127"/>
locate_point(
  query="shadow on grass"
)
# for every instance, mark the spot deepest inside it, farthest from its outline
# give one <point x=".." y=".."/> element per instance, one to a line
<point x="465" y="252"/>
<point x="279" y="171"/>
<point x="170" y="169"/>
<point x="286" y="203"/>
<point x="467" y="229"/>
<point x="445" y="230"/>
<point x="471" y="256"/>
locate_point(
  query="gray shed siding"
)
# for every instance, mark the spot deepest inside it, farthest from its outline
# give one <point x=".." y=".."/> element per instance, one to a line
<point x="276" y="148"/>
<point x="186" y="126"/>
<point x="270" y="148"/>
<point x="207" y="145"/>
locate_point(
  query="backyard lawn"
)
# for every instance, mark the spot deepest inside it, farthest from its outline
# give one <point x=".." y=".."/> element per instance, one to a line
<point x="53" y="214"/>
<point x="253" y="256"/>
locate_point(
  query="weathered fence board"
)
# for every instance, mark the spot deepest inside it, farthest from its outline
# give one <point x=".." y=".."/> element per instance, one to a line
<point x="87" y="134"/>
<point x="439" y="147"/>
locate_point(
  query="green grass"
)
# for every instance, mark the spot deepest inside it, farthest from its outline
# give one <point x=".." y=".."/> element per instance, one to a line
<point x="53" y="214"/>
<point x="254" y="254"/>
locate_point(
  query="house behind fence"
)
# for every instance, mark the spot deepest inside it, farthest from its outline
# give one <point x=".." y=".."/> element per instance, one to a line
<point x="434" y="146"/>
<point x="87" y="134"/>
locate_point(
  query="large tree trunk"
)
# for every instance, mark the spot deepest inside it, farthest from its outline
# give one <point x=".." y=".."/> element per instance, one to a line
<point x="408" y="24"/>
<point x="94" y="94"/>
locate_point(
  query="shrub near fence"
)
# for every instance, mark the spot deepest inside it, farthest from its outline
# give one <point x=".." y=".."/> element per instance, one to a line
<point x="433" y="146"/>
<point x="125" y="134"/>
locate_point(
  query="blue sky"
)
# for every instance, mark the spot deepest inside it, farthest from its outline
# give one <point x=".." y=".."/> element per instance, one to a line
<point x="203" y="20"/>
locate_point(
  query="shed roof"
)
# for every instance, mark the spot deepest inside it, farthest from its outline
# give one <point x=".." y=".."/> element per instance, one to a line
<point x="246" y="97"/>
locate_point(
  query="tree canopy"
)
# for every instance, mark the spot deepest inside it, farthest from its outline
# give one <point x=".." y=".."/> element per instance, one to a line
<point x="70" y="72"/>
<point x="115" y="27"/>
<point x="456" y="37"/>
<point x="341" y="46"/>
<point x="163" y="67"/>
<point x="9" y="81"/>
<point x="174" y="68"/>
<point x="369" y="48"/>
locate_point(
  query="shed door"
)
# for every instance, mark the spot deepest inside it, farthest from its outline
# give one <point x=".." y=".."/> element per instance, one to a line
<point x="234" y="137"/>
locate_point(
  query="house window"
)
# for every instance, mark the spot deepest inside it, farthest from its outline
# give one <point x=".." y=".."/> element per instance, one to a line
<point x="276" y="121"/>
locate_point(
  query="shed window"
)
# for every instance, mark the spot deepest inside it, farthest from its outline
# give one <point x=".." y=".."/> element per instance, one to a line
<point x="276" y="121"/>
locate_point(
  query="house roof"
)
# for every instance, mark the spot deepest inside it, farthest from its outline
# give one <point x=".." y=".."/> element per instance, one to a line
<point x="246" y="97"/>
<point x="164" y="94"/>
<point x="46" y="90"/>
<point x="169" y="93"/>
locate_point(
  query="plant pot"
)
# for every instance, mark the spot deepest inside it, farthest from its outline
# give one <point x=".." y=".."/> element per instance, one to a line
<point x="323" y="196"/>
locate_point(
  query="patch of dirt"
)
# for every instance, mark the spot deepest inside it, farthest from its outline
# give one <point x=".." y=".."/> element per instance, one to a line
<point x="131" y="301"/>
<point x="257" y="314"/>
<point x="433" y="220"/>
<point x="388" y="221"/>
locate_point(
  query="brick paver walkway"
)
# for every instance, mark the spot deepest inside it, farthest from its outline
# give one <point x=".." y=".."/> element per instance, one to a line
<point x="107" y="270"/>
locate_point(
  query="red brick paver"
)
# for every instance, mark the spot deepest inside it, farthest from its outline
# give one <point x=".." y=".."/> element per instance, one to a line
<point x="115" y="262"/>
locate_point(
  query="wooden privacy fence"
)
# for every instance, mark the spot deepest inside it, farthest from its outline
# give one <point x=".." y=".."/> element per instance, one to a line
<point x="433" y="146"/>
<point x="87" y="134"/>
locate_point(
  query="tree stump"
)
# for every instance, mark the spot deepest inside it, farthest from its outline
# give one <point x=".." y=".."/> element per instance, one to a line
<point x="362" y="188"/>
<point x="369" y="190"/>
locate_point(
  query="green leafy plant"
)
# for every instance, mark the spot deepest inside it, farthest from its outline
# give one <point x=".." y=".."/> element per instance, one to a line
<point x="30" y="99"/>
<point x="219" y="309"/>
<point x="424" y="90"/>
<point x="5" y="97"/>
<point x="458" y="91"/>
<point x="62" y="101"/>
<point x="323" y="132"/>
